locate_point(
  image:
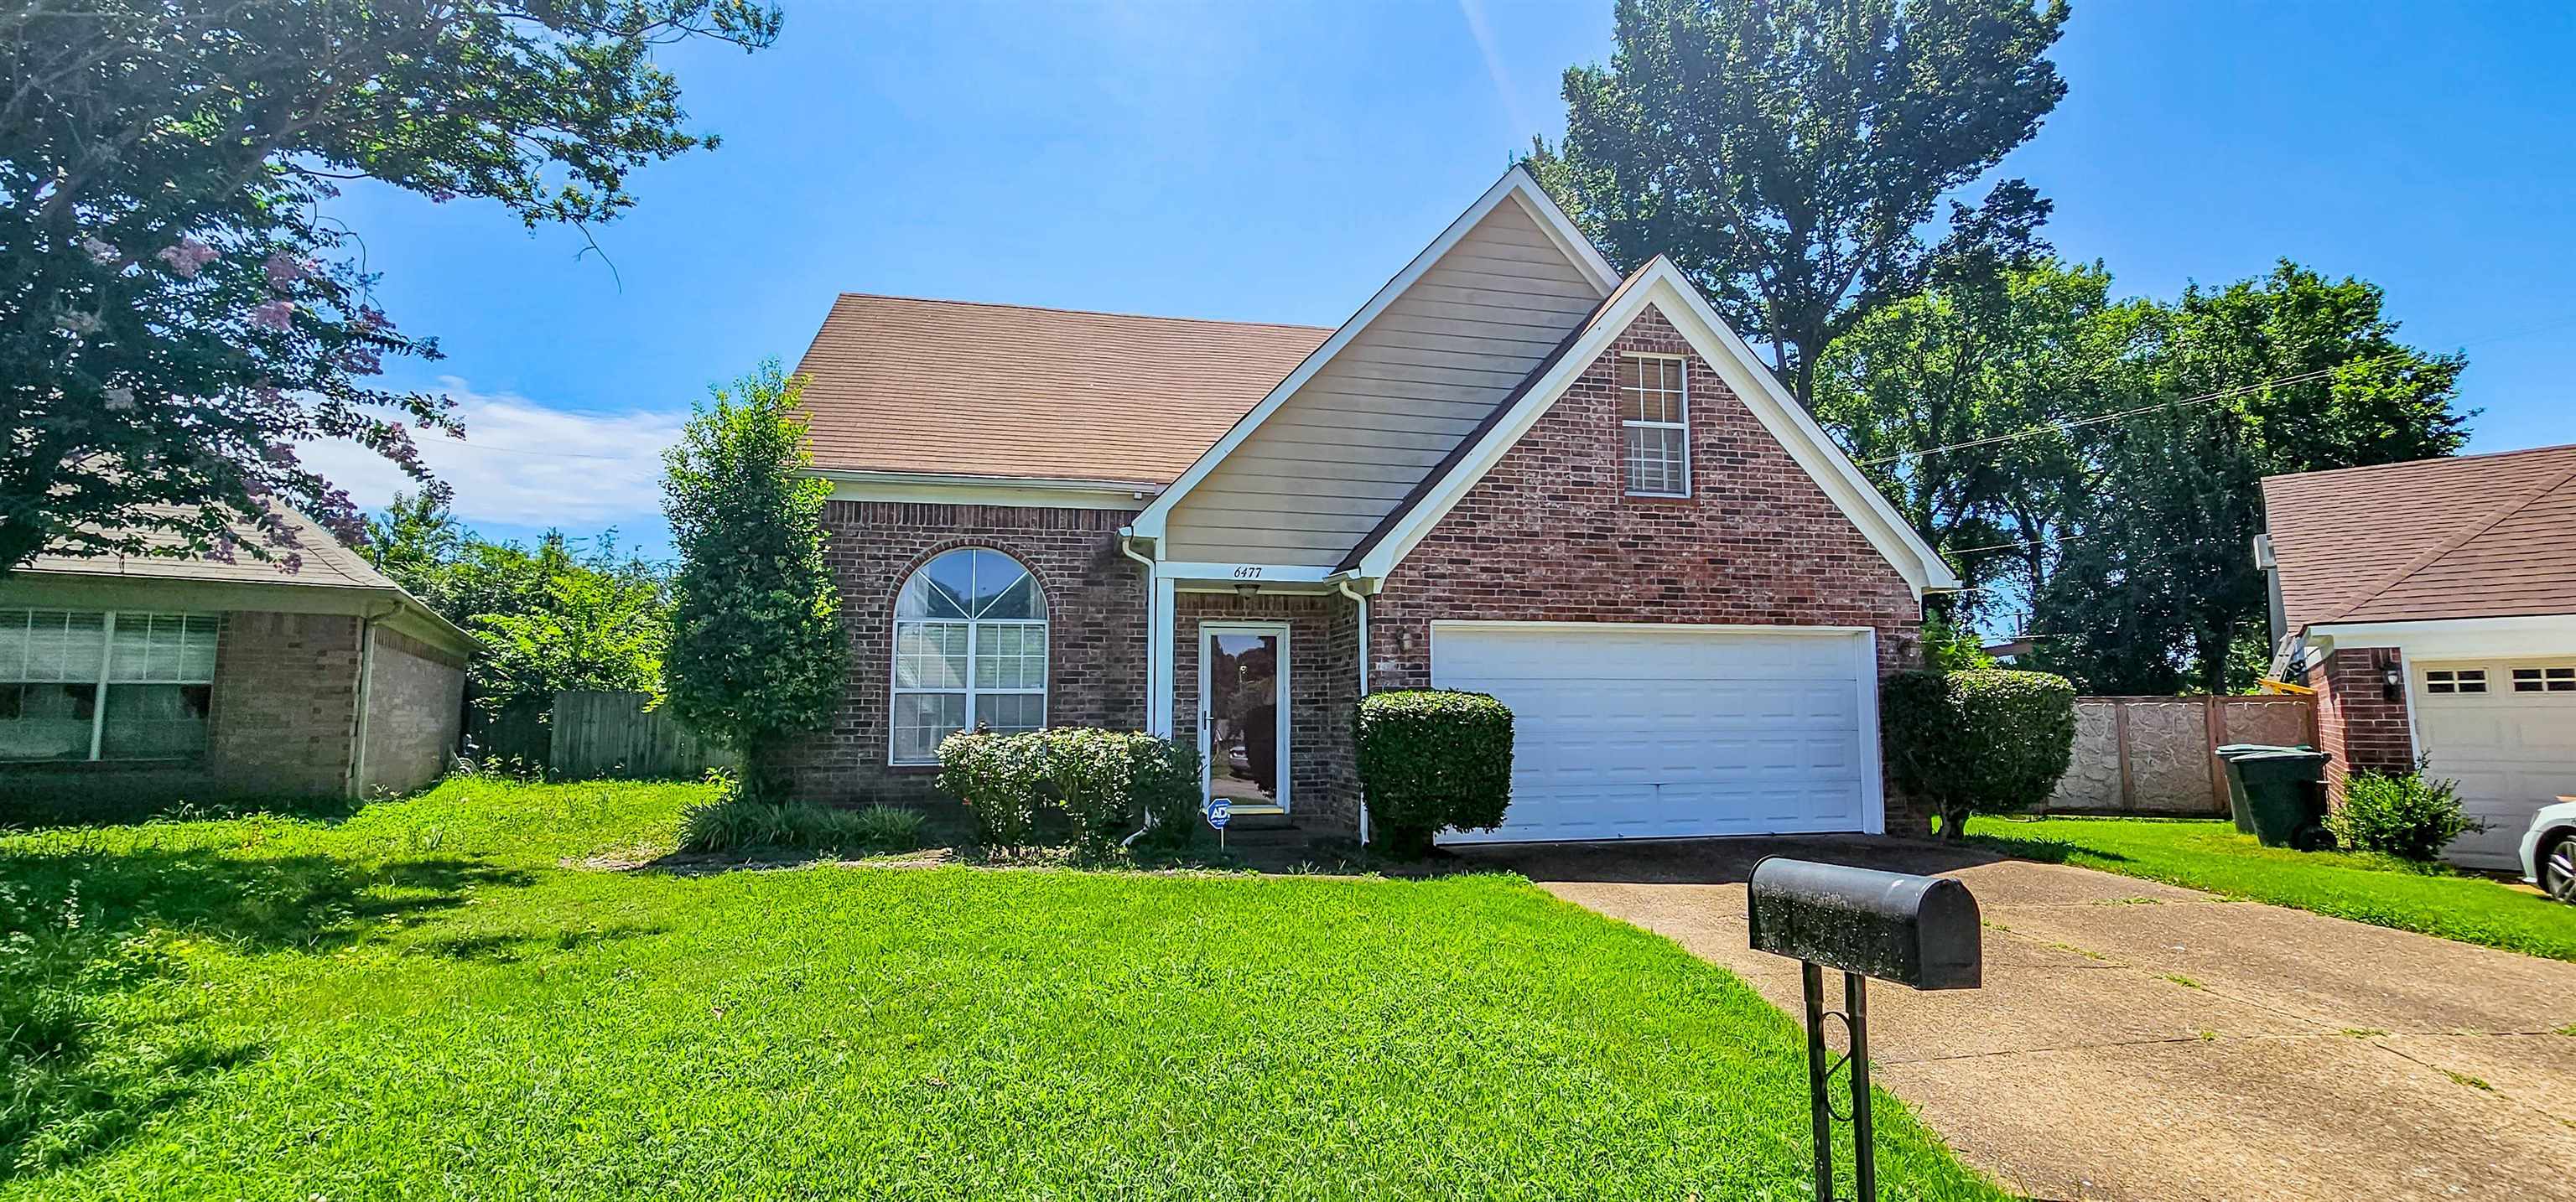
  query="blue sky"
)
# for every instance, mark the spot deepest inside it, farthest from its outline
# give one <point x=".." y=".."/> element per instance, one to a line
<point x="1278" y="161"/>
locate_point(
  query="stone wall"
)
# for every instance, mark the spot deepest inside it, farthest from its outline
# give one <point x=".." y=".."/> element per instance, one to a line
<point x="2154" y="755"/>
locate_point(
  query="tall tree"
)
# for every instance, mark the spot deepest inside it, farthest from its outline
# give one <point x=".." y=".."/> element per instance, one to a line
<point x="1784" y="152"/>
<point x="756" y="651"/>
<point x="2156" y="588"/>
<point x="1935" y="395"/>
<point x="178" y="308"/>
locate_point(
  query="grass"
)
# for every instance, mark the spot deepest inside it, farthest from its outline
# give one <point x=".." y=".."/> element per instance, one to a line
<point x="420" y="999"/>
<point x="2367" y="888"/>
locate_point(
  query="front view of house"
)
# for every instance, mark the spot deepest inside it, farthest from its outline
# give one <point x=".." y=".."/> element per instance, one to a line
<point x="1512" y="471"/>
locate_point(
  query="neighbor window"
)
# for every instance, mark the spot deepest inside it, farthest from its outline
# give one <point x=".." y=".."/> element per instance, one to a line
<point x="104" y="686"/>
<point x="970" y="650"/>
<point x="1653" y="419"/>
<point x="2464" y="680"/>
<point x="2544" y="680"/>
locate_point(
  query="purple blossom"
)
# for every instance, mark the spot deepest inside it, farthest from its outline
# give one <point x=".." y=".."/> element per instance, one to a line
<point x="278" y="452"/>
<point x="359" y="360"/>
<point x="276" y="315"/>
<point x="101" y="251"/>
<point x="284" y="269"/>
<point x="186" y="257"/>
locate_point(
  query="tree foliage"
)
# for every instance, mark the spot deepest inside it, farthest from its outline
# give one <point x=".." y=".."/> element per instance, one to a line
<point x="756" y="651"/>
<point x="1784" y="153"/>
<point x="2154" y="588"/>
<point x="1985" y="741"/>
<point x="548" y="618"/>
<point x="183" y="311"/>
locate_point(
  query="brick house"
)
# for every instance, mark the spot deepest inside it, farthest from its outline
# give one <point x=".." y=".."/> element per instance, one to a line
<point x="1512" y="470"/>
<point x="2432" y="605"/>
<point x="191" y="678"/>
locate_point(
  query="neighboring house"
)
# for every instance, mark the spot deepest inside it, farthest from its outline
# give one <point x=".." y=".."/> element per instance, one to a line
<point x="2432" y="605"/>
<point x="199" y="679"/>
<point x="1511" y="471"/>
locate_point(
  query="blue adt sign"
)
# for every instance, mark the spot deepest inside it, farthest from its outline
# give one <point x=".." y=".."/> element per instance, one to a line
<point x="1219" y="812"/>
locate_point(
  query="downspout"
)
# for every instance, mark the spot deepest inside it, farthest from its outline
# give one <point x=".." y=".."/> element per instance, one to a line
<point x="365" y="694"/>
<point x="1153" y="653"/>
<point x="1360" y="599"/>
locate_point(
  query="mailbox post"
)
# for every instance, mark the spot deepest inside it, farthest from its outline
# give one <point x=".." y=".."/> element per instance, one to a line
<point x="1918" y="931"/>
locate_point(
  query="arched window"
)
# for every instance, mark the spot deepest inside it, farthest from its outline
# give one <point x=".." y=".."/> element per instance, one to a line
<point x="970" y="649"/>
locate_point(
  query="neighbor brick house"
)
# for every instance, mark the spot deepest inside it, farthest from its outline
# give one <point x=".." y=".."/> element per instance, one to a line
<point x="138" y="678"/>
<point x="1513" y="471"/>
<point x="2432" y="605"/>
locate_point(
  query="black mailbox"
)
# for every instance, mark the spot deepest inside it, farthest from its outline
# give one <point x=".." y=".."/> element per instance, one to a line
<point x="1914" y="930"/>
<point x="1919" y="931"/>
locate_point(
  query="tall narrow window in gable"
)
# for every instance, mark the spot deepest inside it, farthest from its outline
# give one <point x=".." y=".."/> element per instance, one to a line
<point x="1654" y="421"/>
<point x="970" y="650"/>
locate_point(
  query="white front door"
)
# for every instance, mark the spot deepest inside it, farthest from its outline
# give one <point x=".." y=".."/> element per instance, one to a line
<point x="1636" y="731"/>
<point x="1243" y="714"/>
<point x="2506" y="731"/>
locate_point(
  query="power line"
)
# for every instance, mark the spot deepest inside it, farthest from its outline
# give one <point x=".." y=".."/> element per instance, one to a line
<point x="2061" y="427"/>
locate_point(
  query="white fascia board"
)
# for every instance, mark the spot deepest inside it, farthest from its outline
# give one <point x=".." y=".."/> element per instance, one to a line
<point x="2539" y="637"/>
<point x="1030" y="491"/>
<point x="1664" y="287"/>
<point x="1243" y="573"/>
<point x="1516" y="183"/>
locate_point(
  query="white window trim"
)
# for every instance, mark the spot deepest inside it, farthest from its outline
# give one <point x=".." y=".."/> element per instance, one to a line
<point x="1681" y="395"/>
<point x="894" y="652"/>
<point x="106" y="679"/>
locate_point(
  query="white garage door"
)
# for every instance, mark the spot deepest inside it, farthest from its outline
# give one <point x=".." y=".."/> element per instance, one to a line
<point x="1625" y="732"/>
<point x="2506" y="730"/>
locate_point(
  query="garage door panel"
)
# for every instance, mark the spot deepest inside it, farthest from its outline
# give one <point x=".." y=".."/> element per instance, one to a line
<point x="1675" y="732"/>
<point x="2510" y="751"/>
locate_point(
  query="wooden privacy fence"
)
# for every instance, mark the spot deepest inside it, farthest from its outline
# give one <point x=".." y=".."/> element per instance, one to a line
<point x="2155" y="755"/>
<point x="600" y="734"/>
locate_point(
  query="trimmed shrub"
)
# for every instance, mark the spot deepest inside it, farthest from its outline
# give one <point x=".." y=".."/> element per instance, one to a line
<point x="2403" y="814"/>
<point x="1983" y="741"/>
<point x="1163" y="779"/>
<point x="1106" y="784"/>
<point x="1432" y="759"/>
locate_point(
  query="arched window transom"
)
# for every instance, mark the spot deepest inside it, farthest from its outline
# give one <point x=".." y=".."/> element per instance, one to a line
<point x="970" y="649"/>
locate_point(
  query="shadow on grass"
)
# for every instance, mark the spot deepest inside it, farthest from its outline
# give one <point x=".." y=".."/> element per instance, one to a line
<point x="511" y="949"/>
<point x="2046" y="851"/>
<point x="93" y="1040"/>
<point x="31" y="810"/>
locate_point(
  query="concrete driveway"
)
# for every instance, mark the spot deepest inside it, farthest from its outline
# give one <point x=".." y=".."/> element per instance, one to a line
<point x="2140" y="1041"/>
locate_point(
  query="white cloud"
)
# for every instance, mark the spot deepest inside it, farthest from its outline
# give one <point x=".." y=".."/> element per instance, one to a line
<point x="524" y="464"/>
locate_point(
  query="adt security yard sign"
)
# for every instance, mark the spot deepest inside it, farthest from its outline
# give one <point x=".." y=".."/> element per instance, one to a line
<point x="1219" y="812"/>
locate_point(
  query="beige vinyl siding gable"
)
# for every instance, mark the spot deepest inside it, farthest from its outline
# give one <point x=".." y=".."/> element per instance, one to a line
<point x="1336" y="457"/>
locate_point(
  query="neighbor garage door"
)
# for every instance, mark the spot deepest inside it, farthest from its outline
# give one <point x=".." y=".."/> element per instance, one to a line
<point x="2506" y="730"/>
<point x="1625" y="732"/>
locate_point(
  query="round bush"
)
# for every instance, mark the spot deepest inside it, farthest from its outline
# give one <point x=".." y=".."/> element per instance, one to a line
<point x="1983" y="741"/>
<point x="2401" y="814"/>
<point x="1431" y="759"/>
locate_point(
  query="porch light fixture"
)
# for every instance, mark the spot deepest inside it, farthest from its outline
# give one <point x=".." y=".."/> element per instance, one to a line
<point x="2392" y="684"/>
<point x="1247" y="591"/>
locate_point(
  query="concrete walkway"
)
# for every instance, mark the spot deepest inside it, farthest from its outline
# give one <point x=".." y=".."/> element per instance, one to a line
<point x="2140" y="1041"/>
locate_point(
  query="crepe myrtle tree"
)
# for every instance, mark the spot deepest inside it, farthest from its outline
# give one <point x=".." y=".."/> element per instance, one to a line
<point x="179" y="310"/>
<point x="756" y="654"/>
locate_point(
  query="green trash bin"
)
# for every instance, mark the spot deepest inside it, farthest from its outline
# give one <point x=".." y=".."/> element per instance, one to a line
<point x="2278" y="794"/>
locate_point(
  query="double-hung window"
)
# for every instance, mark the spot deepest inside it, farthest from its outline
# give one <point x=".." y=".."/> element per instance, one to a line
<point x="78" y="685"/>
<point x="1654" y="421"/>
<point x="970" y="651"/>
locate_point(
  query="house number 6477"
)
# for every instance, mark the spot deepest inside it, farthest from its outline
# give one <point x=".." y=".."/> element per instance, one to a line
<point x="1247" y="573"/>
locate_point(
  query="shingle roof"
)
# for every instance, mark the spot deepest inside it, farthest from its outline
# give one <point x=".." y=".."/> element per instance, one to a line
<point x="958" y="388"/>
<point x="325" y="561"/>
<point x="2480" y="536"/>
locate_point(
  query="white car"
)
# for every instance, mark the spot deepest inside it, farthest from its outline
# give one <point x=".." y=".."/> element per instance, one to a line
<point x="2549" y="851"/>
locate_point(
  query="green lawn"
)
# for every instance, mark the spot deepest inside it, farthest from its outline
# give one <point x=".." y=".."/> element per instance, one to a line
<point x="2365" y="888"/>
<point x="417" y="1000"/>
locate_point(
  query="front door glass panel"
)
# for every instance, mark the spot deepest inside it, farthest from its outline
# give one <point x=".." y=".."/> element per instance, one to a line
<point x="1243" y="717"/>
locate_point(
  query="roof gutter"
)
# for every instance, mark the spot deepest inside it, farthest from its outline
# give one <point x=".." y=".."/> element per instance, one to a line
<point x="357" y="782"/>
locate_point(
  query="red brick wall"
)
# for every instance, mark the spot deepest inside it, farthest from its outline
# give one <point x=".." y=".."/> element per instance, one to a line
<point x="415" y="711"/>
<point x="1550" y="535"/>
<point x="284" y="706"/>
<point x="2356" y="722"/>
<point x="1323" y="685"/>
<point x="1096" y="629"/>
